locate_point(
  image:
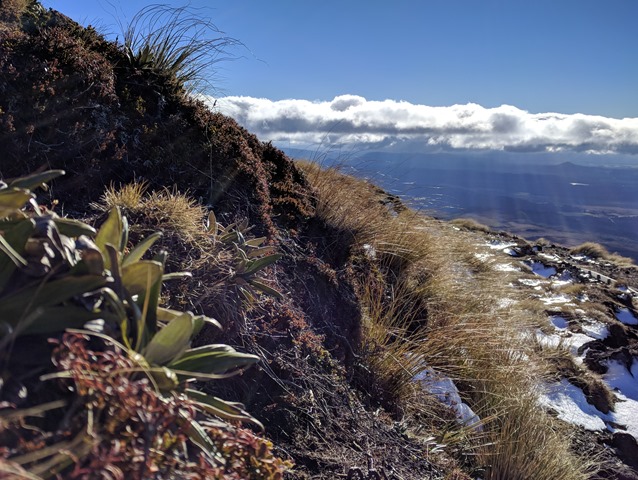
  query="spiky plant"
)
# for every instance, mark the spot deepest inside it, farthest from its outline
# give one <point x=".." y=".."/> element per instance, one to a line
<point x="177" y="43"/>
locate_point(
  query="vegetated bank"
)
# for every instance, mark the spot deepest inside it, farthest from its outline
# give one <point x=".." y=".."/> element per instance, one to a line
<point x="344" y="295"/>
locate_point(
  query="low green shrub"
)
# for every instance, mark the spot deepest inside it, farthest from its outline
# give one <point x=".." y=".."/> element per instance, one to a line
<point x="119" y="361"/>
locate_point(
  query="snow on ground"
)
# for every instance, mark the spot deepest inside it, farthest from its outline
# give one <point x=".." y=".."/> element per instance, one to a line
<point x="569" y="402"/>
<point x="583" y="258"/>
<point x="569" y="340"/>
<point x="445" y="391"/>
<point x="563" y="279"/>
<point x="597" y="330"/>
<point x="541" y="270"/>
<point x="557" y="299"/>
<point x="483" y="257"/>
<point x="570" y="405"/>
<point x="626" y="317"/>
<point x="553" y="258"/>
<point x="499" y="245"/>
<point x="530" y="282"/>
<point x="506" y="267"/>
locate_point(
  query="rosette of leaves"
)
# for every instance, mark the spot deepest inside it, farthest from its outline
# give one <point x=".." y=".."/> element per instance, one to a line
<point x="59" y="275"/>
<point x="159" y="337"/>
<point x="251" y="257"/>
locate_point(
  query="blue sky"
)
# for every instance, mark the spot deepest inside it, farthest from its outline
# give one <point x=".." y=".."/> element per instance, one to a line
<point x="567" y="56"/>
<point x="541" y="75"/>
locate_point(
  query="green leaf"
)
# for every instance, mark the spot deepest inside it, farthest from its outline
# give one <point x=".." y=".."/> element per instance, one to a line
<point x="261" y="263"/>
<point x="73" y="228"/>
<point x="165" y="379"/>
<point x="212" y="227"/>
<point x="17" y="305"/>
<point x="12" y="199"/>
<point x="138" y="277"/>
<point x="216" y="361"/>
<point x="262" y="287"/>
<point x="221" y="408"/>
<point x="57" y="319"/>
<point x="12" y="245"/>
<point x="229" y="237"/>
<point x="124" y="237"/>
<point x="257" y="252"/>
<point x="171" y="341"/>
<point x="255" y="242"/>
<point x="110" y="233"/>
<point x="140" y="249"/>
<point x="144" y="278"/>
<point x="176" y="275"/>
<point x="201" y="320"/>
<point x="166" y="314"/>
<point x="31" y="182"/>
<point x="198" y="435"/>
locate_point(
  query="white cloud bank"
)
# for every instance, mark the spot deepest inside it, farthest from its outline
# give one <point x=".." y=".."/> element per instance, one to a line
<point x="353" y="120"/>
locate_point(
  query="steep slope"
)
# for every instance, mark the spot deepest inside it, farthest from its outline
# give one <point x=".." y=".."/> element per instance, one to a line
<point x="367" y="298"/>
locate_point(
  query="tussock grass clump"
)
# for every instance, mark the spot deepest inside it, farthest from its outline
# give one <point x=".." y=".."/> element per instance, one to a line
<point x="429" y="305"/>
<point x="353" y="207"/>
<point x="599" y="252"/>
<point x="165" y="209"/>
<point x="470" y="224"/>
<point x="177" y="43"/>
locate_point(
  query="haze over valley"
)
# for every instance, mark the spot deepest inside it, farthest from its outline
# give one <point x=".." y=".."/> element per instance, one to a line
<point x="532" y="195"/>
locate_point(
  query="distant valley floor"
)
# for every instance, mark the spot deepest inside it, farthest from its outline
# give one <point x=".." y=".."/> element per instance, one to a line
<point x="566" y="203"/>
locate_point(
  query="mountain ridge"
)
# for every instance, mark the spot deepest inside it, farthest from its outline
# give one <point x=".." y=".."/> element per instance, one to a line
<point x="344" y="293"/>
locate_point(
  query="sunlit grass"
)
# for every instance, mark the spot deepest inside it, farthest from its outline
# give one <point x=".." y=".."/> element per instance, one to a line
<point x="433" y="304"/>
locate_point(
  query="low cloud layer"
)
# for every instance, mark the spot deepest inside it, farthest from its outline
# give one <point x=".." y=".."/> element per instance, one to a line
<point x="353" y="120"/>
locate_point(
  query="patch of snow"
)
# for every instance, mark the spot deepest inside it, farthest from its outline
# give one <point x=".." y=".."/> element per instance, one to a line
<point x="547" y="256"/>
<point x="370" y="251"/>
<point x="445" y="391"/>
<point x="540" y="269"/>
<point x="511" y="252"/>
<point x="583" y="258"/>
<point x="618" y="377"/>
<point x="506" y="267"/>
<point x="530" y="282"/>
<point x="483" y="256"/>
<point x="624" y="382"/>
<point x="597" y="330"/>
<point x="505" y="302"/>
<point x="556" y="299"/>
<point x="565" y="278"/>
<point x="545" y="340"/>
<point x="499" y="245"/>
<point x="575" y="341"/>
<point x="559" y="322"/>
<point x="626" y="317"/>
<point x="572" y="341"/>
<point x="570" y="405"/>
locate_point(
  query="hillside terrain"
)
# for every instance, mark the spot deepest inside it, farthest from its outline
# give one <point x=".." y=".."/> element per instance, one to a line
<point x="359" y="338"/>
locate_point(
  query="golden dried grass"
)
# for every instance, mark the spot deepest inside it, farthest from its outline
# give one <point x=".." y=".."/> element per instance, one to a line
<point x="446" y="311"/>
